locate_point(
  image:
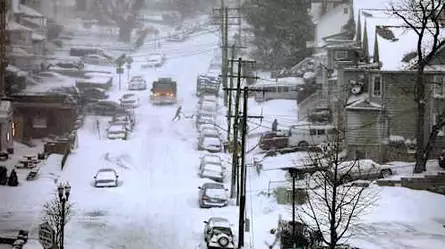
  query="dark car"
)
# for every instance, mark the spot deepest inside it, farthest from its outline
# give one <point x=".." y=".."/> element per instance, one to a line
<point x="104" y="108"/>
<point x="94" y="94"/>
<point x="442" y="159"/>
<point x="212" y="195"/>
<point x="274" y="140"/>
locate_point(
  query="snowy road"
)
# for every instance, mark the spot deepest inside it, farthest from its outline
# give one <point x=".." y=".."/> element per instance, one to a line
<point x="156" y="204"/>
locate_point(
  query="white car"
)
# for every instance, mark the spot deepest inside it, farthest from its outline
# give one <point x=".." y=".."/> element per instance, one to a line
<point x="212" y="171"/>
<point x="209" y="132"/>
<point x="203" y="126"/>
<point x="117" y="130"/>
<point x="106" y="178"/>
<point x="208" y="106"/>
<point x="137" y="84"/>
<point x="129" y="100"/>
<point x="211" y="159"/>
<point x="154" y="60"/>
<point x="210" y="144"/>
<point x="95" y="59"/>
<point x="365" y="169"/>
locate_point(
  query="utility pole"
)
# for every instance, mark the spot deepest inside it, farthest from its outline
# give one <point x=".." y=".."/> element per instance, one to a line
<point x="239" y="25"/>
<point x="223" y="16"/>
<point x="4" y="39"/>
<point x="229" y="109"/>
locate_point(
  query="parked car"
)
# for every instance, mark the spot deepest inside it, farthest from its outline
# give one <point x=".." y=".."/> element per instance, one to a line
<point x="137" y="84"/>
<point x="117" y="130"/>
<point x="210" y="144"/>
<point x="274" y="140"/>
<point x="129" y="101"/>
<point x="218" y="233"/>
<point x="154" y="60"/>
<point x="208" y="98"/>
<point x="106" y="177"/>
<point x="212" y="171"/>
<point x="95" y="59"/>
<point x="201" y="119"/>
<point x="211" y="159"/>
<point x="127" y="118"/>
<point x="104" y="108"/>
<point x="94" y="94"/>
<point x="361" y="170"/>
<point x="208" y="106"/>
<point x="212" y="195"/>
<point x="205" y="126"/>
<point x="209" y="132"/>
<point x="442" y="159"/>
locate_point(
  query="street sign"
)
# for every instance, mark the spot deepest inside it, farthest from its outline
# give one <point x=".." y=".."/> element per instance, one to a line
<point x="119" y="70"/>
<point x="46" y="235"/>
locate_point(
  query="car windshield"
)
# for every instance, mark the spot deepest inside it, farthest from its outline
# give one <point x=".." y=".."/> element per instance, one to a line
<point x="105" y="175"/>
<point x="216" y="193"/>
<point x="210" y="141"/>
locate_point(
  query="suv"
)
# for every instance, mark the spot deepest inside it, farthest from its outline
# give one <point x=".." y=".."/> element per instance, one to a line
<point x="274" y="140"/>
<point x="218" y="233"/>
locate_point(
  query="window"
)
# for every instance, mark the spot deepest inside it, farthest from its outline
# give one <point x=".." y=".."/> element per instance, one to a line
<point x="321" y="132"/>
<point x="439" y="87"/>
<point x="341" y="55"/>
<point x="377" y="85"/>
<point x="312" y="132"/>
<point x="39" y="122"/>
<point x="345" y="10"/>
<point x="442" y="130"/>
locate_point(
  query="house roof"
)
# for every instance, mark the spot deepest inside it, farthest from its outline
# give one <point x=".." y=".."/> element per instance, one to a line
<point x="11" y="25"/>
<point x="363" y="103"/>
<point x="325" y="25"/>
<point x="28" y="11"/>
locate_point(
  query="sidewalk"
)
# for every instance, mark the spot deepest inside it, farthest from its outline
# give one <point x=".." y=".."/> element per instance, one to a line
<point x="21" y="150"/>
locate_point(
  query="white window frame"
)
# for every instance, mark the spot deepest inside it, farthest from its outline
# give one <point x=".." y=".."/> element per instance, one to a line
<point x="441" y="131"/>
<point x="439" y="82"/>
<point x="341" y="54"/>
<point x="373" y="92"/>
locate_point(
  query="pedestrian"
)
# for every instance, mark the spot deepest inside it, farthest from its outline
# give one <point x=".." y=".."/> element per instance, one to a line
<point x="275" y="125"/>
<point x="178" y="114"/>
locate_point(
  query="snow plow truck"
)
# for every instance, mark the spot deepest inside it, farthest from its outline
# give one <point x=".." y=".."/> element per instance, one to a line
<point x="163" y="91"/>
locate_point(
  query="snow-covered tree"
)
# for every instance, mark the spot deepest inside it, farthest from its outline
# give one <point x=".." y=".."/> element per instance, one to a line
<point x="122" y="13"/>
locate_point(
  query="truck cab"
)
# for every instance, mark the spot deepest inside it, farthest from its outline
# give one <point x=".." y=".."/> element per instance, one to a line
<point x="164" y="91"/>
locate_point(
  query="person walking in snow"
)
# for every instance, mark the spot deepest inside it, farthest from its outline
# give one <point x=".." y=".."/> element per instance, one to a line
<point x="178" y="114"/>
<point x="275" y="125"/>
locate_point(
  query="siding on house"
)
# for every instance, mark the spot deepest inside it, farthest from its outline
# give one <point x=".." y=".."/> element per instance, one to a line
<point x="363" y="127"/>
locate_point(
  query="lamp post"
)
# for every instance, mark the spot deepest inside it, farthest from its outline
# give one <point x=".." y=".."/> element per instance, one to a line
<point x="64" y="193"/>
<point x="294" y="173"/>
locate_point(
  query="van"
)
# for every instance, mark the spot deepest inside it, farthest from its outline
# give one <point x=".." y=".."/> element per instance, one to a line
<point x="311" y="135"/>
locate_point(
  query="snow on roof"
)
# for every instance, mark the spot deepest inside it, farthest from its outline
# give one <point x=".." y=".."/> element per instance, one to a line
<point x="28" y="11"/>
<point x="279" y="82"/>
<point x="37" y="37"/>
<point x="97" y="80"/>
<point x="49" y="86"/>
<point x="11" y="25"/>
<point x="364" y="104"/>
<point x="331" y="23"/>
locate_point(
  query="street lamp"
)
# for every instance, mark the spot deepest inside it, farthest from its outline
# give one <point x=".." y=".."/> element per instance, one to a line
<point x="64" y="193"/>
<point x="294" y="173"/>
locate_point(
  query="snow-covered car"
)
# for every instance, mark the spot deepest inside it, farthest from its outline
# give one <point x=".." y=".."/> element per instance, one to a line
<point x="208" y="106"/>
<point x="208" y="98"/>
<point x="126" y="119"/>
<point x="49" y="76"/>
<point x="205" y="126"/>
<point x="117" y="130"/>
<point x="104" y="108"/>
<point x="212" y="171"/>
<point x="211" y="159"/>
<point x="218" y="233"/>
<point x="178" y="36"/>
<point x="154" y="60"/>
<point x="209" y="132"/>
<point x="361" y="170"/>
<point x="137" y="84"/>
<point x="212" y="195"/>
<point x="95" y="59"/>
<point x="106" y="177"/>
<point x="200" y="120"/>
<point x="129" y="101"/>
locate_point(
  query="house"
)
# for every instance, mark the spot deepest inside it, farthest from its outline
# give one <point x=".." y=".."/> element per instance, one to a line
<point x="367" y="81"/>
<point x="38" y="115"/>
<point x="6" y="127"/>
<point x="57" y="10"/>
<point x="27" y="35"/>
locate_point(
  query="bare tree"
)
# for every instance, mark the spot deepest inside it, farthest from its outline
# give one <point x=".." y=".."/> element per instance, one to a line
<point x="334" y="204"/>
<point x="122" y="13"/>
<point x="52" y="213"/>
<point x="425" y="18"/>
